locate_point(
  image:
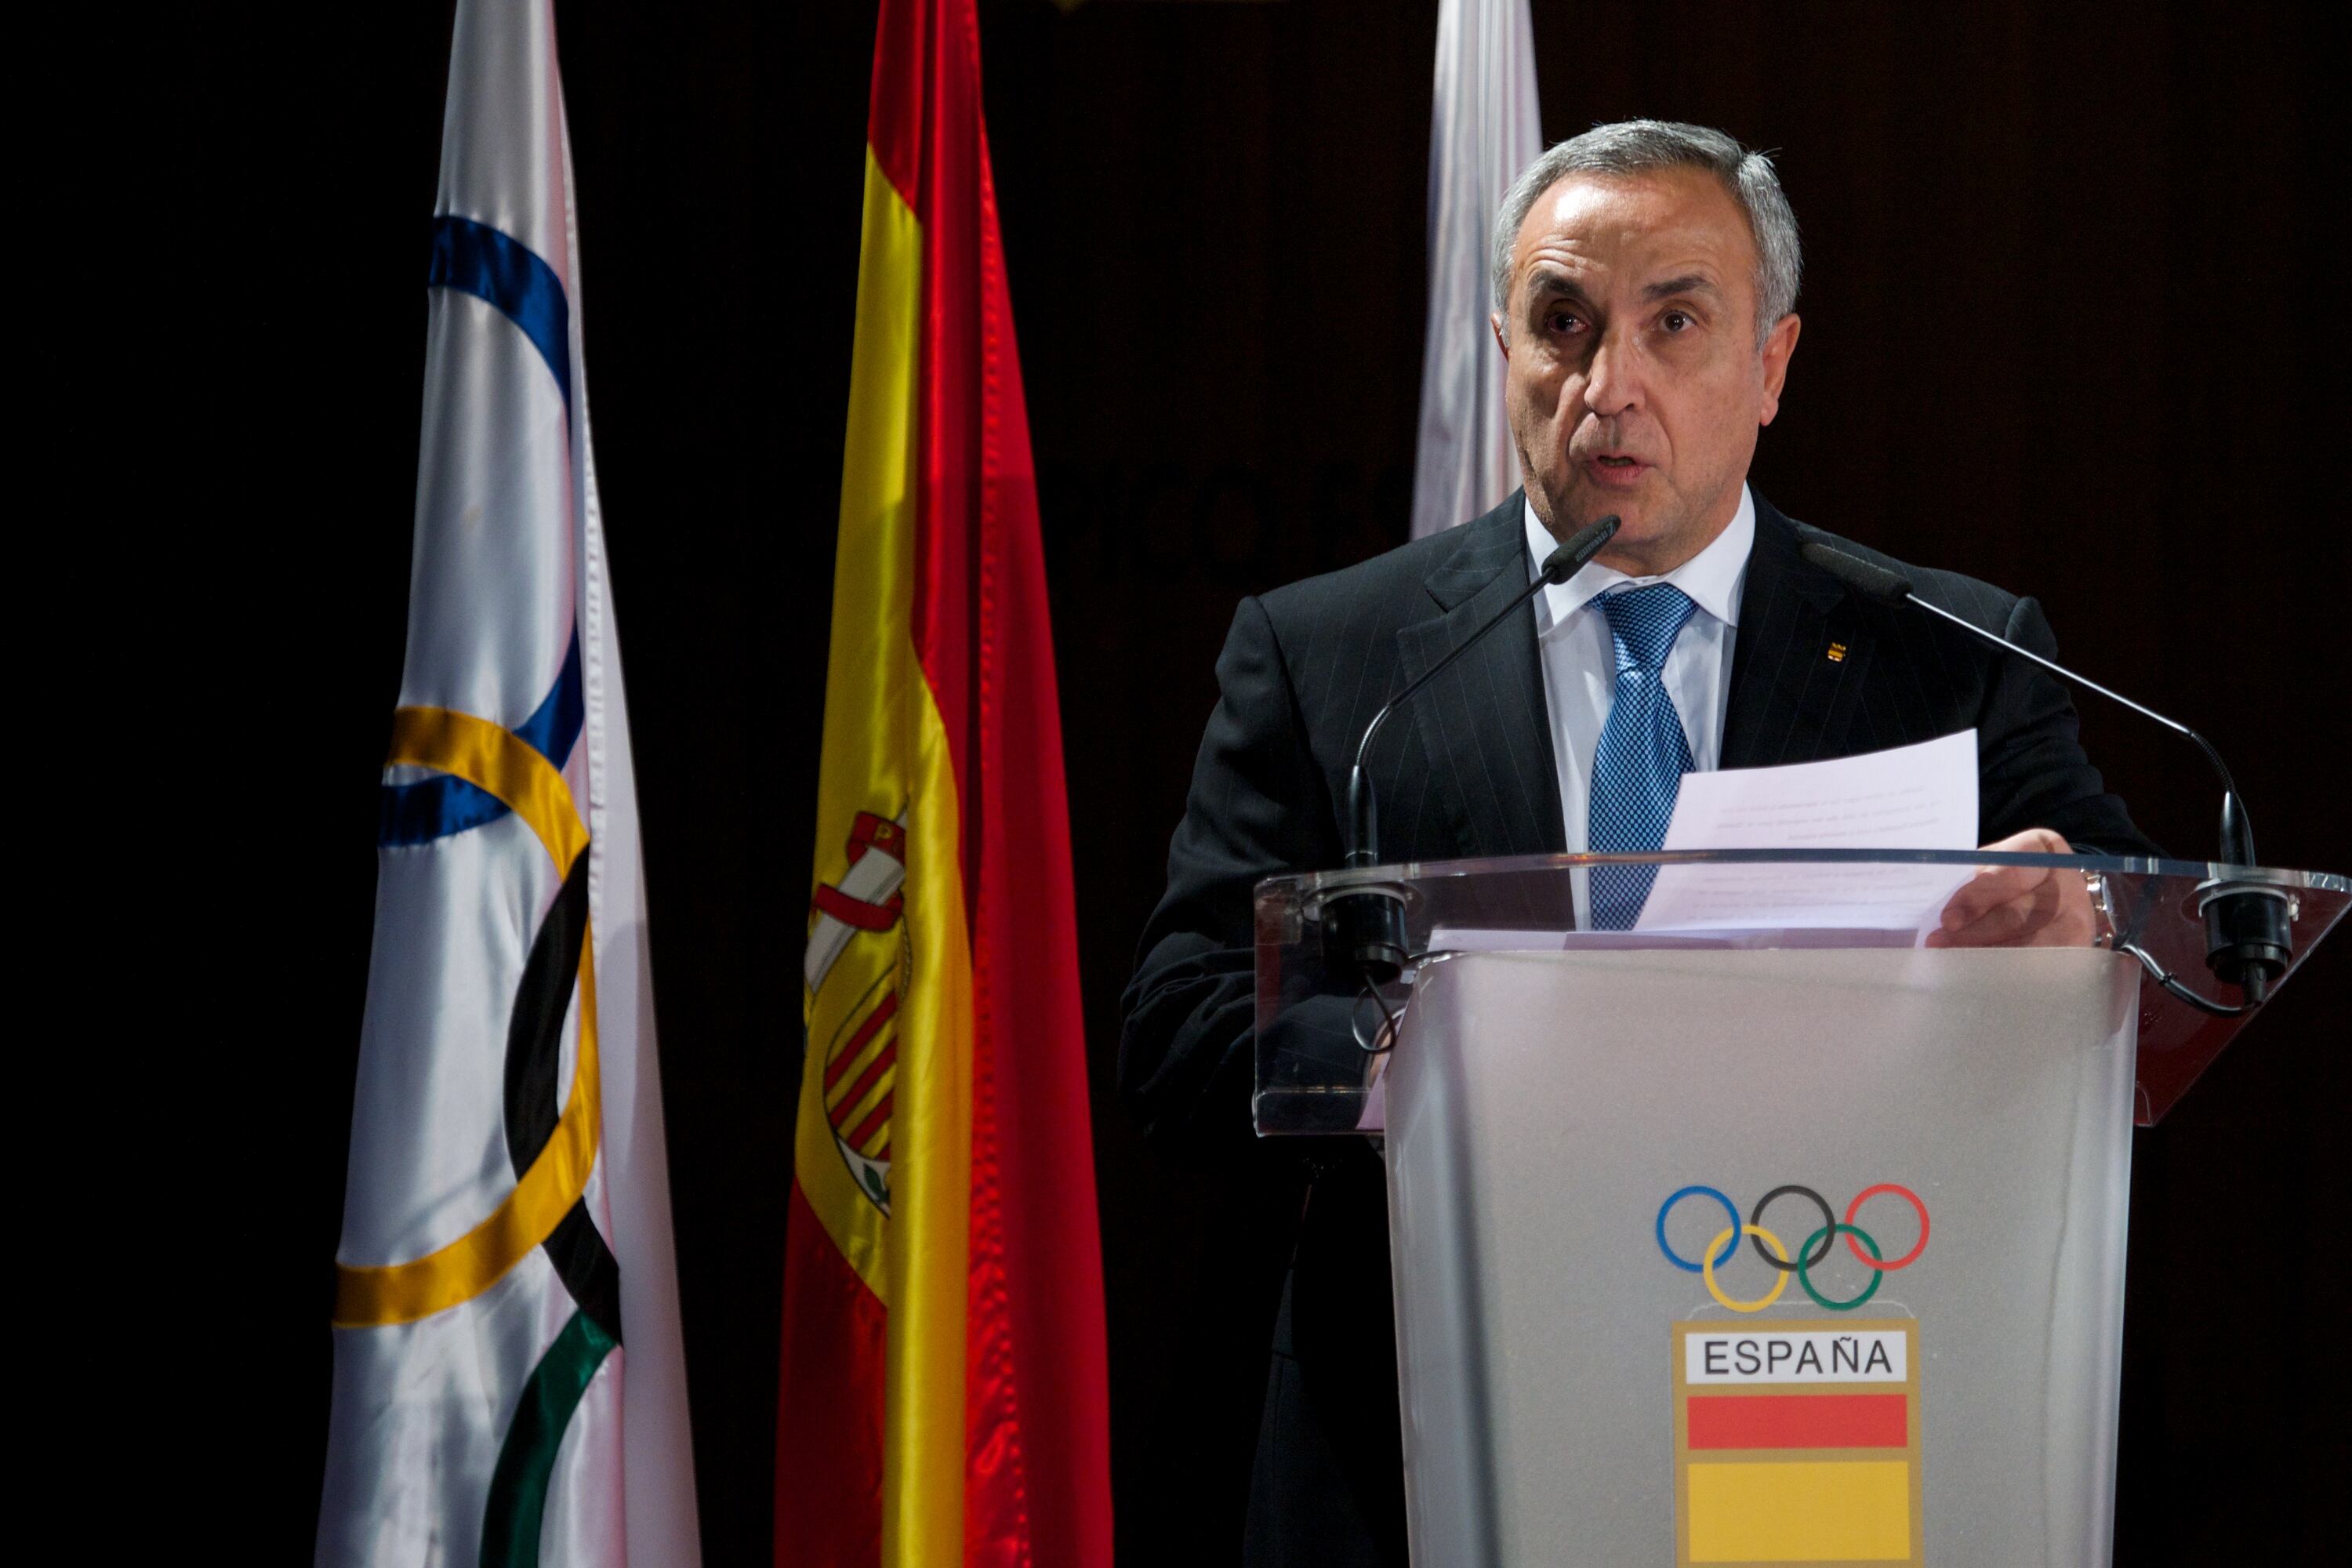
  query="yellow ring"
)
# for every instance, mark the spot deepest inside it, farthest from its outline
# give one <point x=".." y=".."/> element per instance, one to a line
<point x="501" y="763"/>
<point x="1707" y="1269"/>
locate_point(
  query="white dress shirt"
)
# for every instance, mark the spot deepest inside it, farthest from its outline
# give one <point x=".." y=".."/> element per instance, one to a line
<point x="1579" y="660"/>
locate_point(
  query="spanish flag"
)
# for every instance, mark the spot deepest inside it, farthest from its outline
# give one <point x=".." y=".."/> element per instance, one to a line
<point x="943" y="1394"/>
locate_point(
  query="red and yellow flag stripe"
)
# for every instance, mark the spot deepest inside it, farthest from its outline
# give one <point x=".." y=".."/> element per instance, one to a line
<point x="943" y="1394"/>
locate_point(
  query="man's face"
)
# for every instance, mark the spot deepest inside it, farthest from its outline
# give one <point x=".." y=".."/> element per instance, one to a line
<point x="1634" y="385"/>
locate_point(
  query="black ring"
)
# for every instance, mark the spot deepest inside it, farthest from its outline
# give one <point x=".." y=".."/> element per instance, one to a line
<point x="1828" y="1218"/>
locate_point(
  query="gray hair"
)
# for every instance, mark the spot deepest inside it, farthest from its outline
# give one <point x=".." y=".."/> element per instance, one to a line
<point x="1639" y="146"/>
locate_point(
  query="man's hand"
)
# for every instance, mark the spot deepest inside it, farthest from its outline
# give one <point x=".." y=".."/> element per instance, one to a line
<point x="2020" y="906"/>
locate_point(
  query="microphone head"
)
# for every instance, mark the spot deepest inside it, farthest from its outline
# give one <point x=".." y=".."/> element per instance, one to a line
<point x="1582" y="545"/>
<point x="1867" y="578"/>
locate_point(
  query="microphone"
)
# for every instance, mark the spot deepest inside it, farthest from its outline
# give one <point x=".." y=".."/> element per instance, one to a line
<point x="2247" y="942"/>
<point x="1364" y="929"/>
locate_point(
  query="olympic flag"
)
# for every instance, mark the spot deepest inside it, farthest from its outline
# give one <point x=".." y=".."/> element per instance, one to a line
<point x="507" y="1218"/>
<point x="943" y="1397"/>
<point x="1484" y="127"/>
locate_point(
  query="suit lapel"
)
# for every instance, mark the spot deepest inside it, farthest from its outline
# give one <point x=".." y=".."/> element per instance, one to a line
<point x="1799" y="665"/>
<point x="1799" y="660"/>
<point x="1483" y="726"/>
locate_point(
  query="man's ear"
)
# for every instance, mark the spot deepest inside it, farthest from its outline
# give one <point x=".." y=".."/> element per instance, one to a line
<point x="1501" y="341"/>
<point x="1778" y="346"/>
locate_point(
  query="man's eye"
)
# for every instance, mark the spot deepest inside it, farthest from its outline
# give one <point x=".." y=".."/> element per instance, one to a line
<point x="1559" y="321"/>
<point x="1675" y="320"/>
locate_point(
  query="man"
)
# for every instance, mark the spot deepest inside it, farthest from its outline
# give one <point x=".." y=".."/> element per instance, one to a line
<point x="1645" y="277"/>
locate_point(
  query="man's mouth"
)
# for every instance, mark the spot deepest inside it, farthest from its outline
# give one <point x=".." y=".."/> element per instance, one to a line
<point x="1615" y="467"/>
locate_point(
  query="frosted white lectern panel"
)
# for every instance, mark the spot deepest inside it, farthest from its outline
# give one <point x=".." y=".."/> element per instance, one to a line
<point x="1543" y="1107"/>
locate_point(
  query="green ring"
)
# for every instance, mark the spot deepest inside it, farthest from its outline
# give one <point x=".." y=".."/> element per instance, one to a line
<point x="1822" y="1301"/>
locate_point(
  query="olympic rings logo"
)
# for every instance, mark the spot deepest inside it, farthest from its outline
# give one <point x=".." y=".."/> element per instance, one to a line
<point x="1806" y="1258"/>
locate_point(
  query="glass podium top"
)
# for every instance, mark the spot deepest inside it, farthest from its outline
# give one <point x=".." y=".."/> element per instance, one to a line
<point x="1323" y="1025"/>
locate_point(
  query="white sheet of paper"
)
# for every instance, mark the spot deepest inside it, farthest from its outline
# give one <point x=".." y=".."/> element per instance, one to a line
<point x="1912" y="798"/>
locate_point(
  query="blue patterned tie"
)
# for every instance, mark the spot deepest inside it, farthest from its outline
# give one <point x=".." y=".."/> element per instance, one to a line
<point x="1638" y="768"/>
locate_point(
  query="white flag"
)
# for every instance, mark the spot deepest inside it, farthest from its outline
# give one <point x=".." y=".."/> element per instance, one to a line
<point x="1484" y="129"/>
<point x="505" y="1224"/>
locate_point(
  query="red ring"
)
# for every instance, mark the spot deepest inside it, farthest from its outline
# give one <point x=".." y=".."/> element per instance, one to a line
<point x="1908" y="1195"/>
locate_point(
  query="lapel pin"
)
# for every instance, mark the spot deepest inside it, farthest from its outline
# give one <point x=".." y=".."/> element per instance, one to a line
<point x="1837" y="653"/>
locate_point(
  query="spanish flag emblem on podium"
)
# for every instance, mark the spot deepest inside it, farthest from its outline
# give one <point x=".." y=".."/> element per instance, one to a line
<point x="943" y="1395"/>
<point x="1798" y="1442"/>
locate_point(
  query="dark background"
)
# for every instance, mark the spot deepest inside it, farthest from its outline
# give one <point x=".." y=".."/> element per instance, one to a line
<point x="2074" y="322"/>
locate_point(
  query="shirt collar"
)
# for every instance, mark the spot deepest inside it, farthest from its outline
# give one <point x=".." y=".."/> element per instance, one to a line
<point x="1711" y="578"/>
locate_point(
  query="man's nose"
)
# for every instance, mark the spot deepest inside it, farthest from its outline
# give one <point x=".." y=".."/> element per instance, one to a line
<point x="1612" y="379"/>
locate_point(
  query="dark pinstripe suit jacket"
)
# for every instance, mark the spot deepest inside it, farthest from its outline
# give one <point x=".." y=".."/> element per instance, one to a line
<point x="1468" y="770"/>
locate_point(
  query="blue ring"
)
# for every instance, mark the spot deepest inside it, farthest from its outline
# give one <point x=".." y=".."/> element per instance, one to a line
<point x="1728" y="1247"/>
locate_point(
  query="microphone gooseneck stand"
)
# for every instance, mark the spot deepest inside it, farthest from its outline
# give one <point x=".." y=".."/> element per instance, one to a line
<point x="2248" y="937"/>
<point x="1363" y="928"/>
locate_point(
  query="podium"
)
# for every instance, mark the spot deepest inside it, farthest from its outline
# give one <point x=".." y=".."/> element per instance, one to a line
<point x="1737" y="1246"/>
